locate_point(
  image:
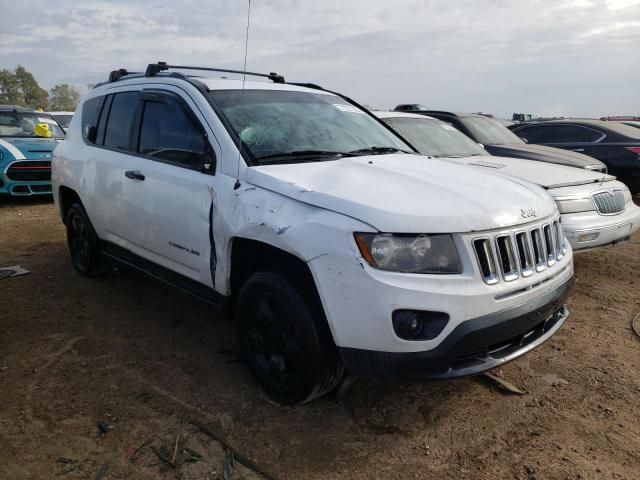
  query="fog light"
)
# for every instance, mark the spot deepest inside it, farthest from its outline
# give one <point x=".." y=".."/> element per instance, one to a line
<point x="587" y="237"/>
<point x="419" y="325"/>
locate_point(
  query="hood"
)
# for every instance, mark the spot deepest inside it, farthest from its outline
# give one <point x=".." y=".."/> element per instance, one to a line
<point x="402" y="193"/>
<point x="547" y="175"/>
<point x="544" y="154"/>
<point x="27" y="148"/>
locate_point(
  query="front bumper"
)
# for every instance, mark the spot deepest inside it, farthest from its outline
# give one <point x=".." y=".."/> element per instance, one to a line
<point x="474" y="346"/>
<point x="21" y="189"/>
<point x="359" y="301"/>
<point x="590" y="229"/>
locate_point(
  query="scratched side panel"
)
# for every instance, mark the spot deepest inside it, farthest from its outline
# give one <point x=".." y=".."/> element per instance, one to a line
<point x="298" y="228"/>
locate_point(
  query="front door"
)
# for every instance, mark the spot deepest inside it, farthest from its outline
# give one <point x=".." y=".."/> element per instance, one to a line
<point x="168" y="187"/>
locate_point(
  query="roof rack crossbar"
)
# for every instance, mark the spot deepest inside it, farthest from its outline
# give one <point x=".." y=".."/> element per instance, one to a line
<point x="154" y="68"/>
<point x="116" y="75"/>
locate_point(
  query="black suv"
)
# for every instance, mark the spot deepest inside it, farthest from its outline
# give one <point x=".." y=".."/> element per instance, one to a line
<point x="615" y="144"/>
<point x="500" y="141"/>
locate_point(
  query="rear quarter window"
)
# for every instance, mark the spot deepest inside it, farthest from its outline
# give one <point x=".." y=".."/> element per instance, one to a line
<point x="120" y="121"/>
<point x="90" y="113"/>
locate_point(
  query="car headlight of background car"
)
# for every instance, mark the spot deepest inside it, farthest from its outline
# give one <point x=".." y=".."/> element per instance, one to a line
<point x="410" y="253"/>
<point x="575" y="205"/>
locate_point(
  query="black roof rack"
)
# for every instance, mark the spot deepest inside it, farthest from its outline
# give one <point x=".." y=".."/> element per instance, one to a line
<point x="154" y="68"/>
<point x="116" y="75"/>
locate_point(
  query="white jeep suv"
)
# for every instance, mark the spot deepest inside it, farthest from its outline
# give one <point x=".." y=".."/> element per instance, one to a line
<point x="338" y="246"/>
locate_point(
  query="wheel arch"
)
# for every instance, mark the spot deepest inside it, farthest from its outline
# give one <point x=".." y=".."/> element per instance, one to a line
<point x="248" y="256"/>
<point x="67" y="197"/>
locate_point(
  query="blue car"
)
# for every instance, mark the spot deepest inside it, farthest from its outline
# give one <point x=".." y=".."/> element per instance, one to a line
<point x="27" y="139"/>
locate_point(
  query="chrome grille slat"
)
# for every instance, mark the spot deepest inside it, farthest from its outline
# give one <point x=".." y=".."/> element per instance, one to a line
<point x="609" y="203"/>
<point x="549" y="244"/>
<point x="486" y="260"/>
<point x="557" y="234"/>
<point x="506" y="257"/>
<point x="538" y="248"/>
<point x="525" y="256"/>
<point x="563" y="240"/>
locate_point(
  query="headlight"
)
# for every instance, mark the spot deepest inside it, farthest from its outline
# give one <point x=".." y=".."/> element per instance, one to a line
<point x="410" y="253"/>
<point x="627" y="195"/>
<point x="575" y="205"/>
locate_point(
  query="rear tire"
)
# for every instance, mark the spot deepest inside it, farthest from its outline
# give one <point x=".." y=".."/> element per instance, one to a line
<point x="83" y="242"/>
<point x="285" y="338"/>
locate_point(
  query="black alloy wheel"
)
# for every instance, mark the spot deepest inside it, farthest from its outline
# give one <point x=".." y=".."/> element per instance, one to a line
<point x="285" y="340"/>
<point x="82" y="241"/>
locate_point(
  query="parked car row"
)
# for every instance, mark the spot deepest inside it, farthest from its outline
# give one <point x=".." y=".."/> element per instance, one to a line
<point x="342" y="242"/>
<point x="596" y="209"/>
<point x="500" y="141"/>
<point x="615" y="144"/>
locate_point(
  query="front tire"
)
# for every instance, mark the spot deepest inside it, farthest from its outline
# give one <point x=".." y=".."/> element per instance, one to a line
<point x="82" y="241"/>
<point x="285" y="338"/>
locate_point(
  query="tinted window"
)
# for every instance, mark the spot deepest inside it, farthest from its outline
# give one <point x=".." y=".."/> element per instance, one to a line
<point x="489" y="131"/>
<point x="279" y="126"/>
<point x="169" y="133"/>
<point x="90" y="113"/>
<point x="563" y="134"/>
<point x="118" y="131"/>
<point x="435" y="138"/>
<point x="533" y="134"/>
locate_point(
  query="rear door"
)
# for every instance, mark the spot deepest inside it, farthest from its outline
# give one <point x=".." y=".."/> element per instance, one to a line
<point x="168" y="185"/>
<point x="115" y="127"/>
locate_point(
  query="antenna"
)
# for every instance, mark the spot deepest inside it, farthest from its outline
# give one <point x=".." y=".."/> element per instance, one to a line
<point x="242" y="117"/>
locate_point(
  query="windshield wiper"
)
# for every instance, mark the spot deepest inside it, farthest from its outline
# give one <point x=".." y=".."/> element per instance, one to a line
<point x="377" y="151"/>
<point x="302" y="154"/>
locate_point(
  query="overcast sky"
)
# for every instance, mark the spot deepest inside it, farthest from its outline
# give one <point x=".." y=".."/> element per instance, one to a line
<point x="547" y="57"/>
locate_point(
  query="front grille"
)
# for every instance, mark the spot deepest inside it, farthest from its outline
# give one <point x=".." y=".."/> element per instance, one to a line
<point x="30" y="171"/>
<point x="609" y="203"/>
<point x="520" y="253"/>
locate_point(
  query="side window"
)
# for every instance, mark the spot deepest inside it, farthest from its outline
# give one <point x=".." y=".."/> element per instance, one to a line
<point x="102" y="123"/>
<point x="90" y="113"/>
<point x="118" y="130"/>
<point x="582" y="134"/>
<point x="533" y="134"/>
<point x="169" y="133"/>
<point x="568" y="134"/>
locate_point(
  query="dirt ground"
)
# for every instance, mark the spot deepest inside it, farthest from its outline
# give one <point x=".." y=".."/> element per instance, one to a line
<point x="159" y="372"/>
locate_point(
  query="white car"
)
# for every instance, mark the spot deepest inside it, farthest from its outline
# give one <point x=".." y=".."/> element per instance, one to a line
<point x="63" y="118"/>
<point x="335" y="247"/>
<point x="596" y="208"/>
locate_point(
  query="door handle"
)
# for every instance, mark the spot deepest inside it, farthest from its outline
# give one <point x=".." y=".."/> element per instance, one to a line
<point x="134" y="175"/>
<point x="578" y="149"/>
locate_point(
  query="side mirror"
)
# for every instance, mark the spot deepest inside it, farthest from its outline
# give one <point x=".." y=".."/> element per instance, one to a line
<point x="209" y="156"/>
<point x="481" y="145"/>
<point x="90" y="133"/>
<point x="524" y="140"/>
